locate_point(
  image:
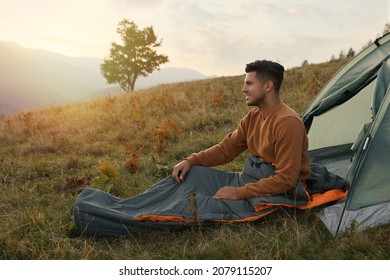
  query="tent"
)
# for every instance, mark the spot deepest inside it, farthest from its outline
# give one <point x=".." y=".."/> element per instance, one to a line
<point x="348" y="125"/>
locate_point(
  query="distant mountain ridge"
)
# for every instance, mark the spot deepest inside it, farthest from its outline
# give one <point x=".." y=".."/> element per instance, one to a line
<point x="35" y="78"/>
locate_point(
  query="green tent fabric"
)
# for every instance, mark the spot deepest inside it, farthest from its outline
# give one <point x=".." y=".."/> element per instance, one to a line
<point x="349" y="132"/>
<point x="167" y="204"/>
<point x="370" y="183"/>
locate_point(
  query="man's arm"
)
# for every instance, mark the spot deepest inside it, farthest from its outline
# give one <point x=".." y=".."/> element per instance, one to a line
<point x="230" y="147"/>
<point x="218" y="154"/>
<point x="225" y="151"/>
<point x="289" y="147"/>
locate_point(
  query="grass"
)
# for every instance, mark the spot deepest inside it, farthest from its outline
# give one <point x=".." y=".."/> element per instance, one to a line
<point x="124" y="144"/>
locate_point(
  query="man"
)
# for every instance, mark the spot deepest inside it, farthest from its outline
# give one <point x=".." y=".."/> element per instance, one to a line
<point x="274" y="135"/>
<point x="272" y="132"/>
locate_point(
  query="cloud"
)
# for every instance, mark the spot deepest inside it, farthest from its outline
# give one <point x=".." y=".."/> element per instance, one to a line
<point x="211" y="36"/>
<point x="228" y="37"/>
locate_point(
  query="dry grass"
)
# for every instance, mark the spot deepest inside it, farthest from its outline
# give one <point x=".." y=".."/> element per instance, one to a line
<point x="124" y="144"/>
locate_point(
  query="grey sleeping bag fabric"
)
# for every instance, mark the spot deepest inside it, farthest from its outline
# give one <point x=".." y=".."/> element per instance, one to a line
<point x="98" y="213"/>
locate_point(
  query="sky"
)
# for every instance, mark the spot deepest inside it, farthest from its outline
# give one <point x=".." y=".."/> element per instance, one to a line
<point x="214" y="37"/>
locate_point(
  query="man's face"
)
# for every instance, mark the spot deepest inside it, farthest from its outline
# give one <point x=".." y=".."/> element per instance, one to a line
<point x="254" y="90"/>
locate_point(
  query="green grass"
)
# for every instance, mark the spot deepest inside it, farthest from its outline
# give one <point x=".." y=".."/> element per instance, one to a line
<point x="124" y="144"/>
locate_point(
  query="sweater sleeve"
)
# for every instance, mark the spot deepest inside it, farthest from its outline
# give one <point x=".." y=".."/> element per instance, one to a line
<point x="289" y="135"/>
<point x="225" y="151"/>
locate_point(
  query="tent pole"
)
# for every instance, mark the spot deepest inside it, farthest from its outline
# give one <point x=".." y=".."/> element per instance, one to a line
<point x="341" y="217"/>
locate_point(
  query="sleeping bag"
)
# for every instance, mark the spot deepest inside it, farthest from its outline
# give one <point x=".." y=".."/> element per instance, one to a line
<point x="170" y="205"/>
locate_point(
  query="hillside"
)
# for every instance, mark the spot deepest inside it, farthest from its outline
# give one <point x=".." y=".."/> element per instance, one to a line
<point x="36" y="78"/>
<point x="125" y="143"/>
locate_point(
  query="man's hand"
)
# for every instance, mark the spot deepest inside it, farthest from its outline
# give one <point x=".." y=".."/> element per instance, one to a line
<point x="180" y="170"/>
<point x="227" y="192"/>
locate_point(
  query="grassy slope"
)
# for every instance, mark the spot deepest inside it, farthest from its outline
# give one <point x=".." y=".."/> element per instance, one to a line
<point x="124" y="144"/>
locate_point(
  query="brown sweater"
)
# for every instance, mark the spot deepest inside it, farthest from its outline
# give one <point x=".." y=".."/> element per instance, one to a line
<point x="279" y="139"/>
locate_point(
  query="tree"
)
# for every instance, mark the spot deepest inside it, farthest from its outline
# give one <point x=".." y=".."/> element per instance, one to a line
<point x="369" y="43"/>
<point x="342" y="54"/>
<point x="136" y="57"/>
<point x="305" y="63"/>
<point x="386" y="28"/>
<point x="351" y="53"/>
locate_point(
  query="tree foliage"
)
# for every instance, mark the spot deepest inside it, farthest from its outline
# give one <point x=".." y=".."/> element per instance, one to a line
<point x="351" y="52"/>
<point x="305" y="63"/>
<point x="386" y="29"/>
<point x="136" y="57"/>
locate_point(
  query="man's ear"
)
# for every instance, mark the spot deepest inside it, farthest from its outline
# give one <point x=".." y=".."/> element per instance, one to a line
<point x="269" y="86"/>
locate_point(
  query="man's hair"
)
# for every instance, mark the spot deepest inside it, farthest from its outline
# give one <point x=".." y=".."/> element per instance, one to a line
<point x="267" y="70"/>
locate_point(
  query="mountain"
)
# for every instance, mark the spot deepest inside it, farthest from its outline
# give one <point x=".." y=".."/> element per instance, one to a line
<point x="35" y="78"/>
